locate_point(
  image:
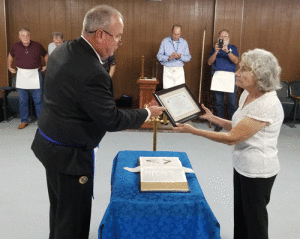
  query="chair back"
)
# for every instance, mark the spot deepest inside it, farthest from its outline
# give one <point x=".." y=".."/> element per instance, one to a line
<point x="283" y="93"/>
<point x="13" y="81"/>
<point x="295" y="88"/>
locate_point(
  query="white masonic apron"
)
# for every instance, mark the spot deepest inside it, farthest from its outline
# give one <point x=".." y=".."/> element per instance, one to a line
<point x="223" y="81"/>
<point x="173" y="76"/>
<point x="28" y="79"/>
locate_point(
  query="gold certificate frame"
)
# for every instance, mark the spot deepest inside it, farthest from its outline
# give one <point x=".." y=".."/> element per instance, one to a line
<point x="181" y="106"/>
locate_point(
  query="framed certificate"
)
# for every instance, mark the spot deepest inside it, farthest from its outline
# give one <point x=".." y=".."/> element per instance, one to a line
<point x="181" y="106"/>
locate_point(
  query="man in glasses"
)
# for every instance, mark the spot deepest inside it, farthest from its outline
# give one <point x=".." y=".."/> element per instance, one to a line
<point x="78" y="109"/>
<point x="223" y="58"/>
<point x="58" y="38"/>
<point x="172" y="54"/>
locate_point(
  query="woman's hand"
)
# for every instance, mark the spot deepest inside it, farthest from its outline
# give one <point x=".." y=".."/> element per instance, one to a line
<point x="208" y="115"/>
<point x="184" y="128"/>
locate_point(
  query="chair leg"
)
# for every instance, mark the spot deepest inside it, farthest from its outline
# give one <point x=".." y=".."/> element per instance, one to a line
<point x="5" y="105"/>
<point x="212" y="111"/>
<point x="295" y="111"/>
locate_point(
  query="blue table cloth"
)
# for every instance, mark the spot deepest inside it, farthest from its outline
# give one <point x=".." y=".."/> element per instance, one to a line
<point x="151" y="215"/>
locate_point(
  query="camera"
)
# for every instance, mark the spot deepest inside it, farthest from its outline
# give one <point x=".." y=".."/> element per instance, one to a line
<point x="221" y="43"/>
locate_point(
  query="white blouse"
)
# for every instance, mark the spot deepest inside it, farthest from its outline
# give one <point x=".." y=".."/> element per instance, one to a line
<point x="257" y="156"/>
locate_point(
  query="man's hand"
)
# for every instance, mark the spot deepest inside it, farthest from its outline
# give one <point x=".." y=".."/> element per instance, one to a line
<point x="12" y="70"/>
<point x="217" y="49"/>
<point x="178" y="56"/>
<point x="44" y="68"/>
<point x="173" y="55"/>
<point x="155" y="110"/>
<point x="225" y="48"/>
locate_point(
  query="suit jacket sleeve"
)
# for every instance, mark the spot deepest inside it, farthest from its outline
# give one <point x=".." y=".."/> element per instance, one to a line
<point x="98" y="101"/>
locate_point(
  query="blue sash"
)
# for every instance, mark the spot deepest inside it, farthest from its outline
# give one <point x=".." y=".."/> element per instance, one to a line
<point x="68" y="145"/>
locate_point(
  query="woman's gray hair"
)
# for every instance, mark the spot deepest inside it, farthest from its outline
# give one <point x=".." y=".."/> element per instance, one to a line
<point x="99" y="17"/>
<point x="265" y="67"/>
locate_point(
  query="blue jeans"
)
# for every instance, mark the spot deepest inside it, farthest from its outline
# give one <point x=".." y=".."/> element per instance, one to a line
<point x="219" y="103"/>
<point x="23" y="101"/>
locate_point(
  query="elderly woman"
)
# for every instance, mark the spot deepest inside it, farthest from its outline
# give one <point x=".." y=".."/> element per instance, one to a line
<point x="253" y="131"/>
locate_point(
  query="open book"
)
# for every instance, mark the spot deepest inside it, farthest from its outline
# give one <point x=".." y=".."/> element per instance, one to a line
<point x="162" y="174"/>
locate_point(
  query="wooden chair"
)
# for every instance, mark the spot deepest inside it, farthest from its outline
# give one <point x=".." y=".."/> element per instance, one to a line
<point x="285" y="99"/>
<point x="295" y="94"/>
<point x="6" y="91"/>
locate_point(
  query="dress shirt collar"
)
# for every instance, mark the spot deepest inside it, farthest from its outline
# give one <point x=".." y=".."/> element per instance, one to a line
<point x="93" y="49"/>
<point x="178" y="41"/>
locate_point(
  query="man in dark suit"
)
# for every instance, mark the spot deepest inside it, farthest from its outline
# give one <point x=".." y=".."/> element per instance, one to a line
<point x="78" y="109"/>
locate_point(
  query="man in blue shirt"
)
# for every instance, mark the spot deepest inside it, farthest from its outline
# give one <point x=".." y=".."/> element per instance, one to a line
<point x="172" y="54"/>
<point x="224" y="61"/>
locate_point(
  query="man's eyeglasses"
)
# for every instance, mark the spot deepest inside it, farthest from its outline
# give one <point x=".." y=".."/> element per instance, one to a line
<point x="115" y="38"/>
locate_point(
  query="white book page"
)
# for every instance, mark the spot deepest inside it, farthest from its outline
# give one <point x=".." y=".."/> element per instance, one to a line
<point x="163" y="175"/>
<point x="162" y="169"/>
<point x="160" y="162"/>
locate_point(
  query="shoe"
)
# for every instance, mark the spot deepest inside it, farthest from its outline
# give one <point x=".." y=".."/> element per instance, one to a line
<point x="218" y="129"/>
<point x="22" y="125"/>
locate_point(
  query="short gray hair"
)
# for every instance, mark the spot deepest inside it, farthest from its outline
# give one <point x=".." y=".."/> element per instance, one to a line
<point x="24" y="30"/>
<point x="57" y="34"/>
<point x="265" y="67"/>
<point x="224" y="30"/>
<point x="99" y="17"/>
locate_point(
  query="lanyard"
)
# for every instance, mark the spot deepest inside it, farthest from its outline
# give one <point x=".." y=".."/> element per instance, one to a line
<point x="176" y="44"/>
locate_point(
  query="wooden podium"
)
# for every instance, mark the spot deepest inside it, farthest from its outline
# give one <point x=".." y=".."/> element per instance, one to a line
<point x="147" y="88"/>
